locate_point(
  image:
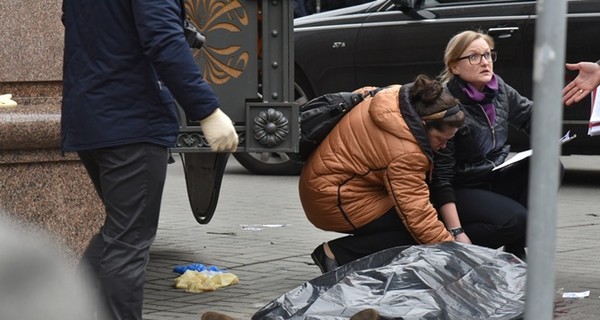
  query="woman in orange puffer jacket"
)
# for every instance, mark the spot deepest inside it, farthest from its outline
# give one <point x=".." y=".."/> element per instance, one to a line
<point x="368" y="178"/>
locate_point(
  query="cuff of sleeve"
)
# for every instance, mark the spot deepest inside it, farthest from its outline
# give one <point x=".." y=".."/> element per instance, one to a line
<point x="442" y="196"/>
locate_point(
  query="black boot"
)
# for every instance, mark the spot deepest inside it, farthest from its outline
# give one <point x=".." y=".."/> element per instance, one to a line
<point x="324" y="263"/>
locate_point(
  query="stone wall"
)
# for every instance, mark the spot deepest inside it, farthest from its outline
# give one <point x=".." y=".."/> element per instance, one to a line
<point x="32" y="41"/>
<point x="31" y="50"/>
<point x="39" y="185"/>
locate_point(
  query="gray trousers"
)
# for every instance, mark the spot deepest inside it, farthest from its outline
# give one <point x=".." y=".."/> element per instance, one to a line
<point x="129" y="180"/>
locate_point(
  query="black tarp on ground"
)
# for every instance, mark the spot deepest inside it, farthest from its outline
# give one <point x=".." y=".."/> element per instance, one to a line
<point x="449" y="280"/>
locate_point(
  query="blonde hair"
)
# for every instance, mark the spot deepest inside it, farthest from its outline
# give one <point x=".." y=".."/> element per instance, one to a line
<point x="456" y="46"/>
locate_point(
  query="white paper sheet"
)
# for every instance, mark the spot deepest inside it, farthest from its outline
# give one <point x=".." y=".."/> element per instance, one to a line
<point x="527" y="153"/>
<point x="594" y="128"/>
<point x="576" y="295"/>
<point x="516" y="158"/>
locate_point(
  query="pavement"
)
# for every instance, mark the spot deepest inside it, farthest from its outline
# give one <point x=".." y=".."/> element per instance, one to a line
<point x="260" y="234"/>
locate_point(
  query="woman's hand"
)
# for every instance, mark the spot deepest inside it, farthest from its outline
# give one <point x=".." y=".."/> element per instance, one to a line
<point x="462" y="238"/>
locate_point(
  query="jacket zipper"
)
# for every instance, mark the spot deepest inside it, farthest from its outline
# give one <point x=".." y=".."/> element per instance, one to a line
<point x="491" y="129"/>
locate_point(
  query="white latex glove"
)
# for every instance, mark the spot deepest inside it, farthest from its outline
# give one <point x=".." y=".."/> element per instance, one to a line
<point x="219" y="132"/>
<point x="6" y="101"/>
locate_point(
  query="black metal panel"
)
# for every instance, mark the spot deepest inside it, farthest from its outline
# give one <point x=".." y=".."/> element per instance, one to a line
<point x="248" y="51"/>
<point x="229" y="57"/>
<point x="247" y="57"/>
<point x="278" y="53"/>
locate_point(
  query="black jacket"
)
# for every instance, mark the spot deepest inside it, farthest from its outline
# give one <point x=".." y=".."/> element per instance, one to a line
<point x="115" y="54"/>
<point x="478" y="147"/>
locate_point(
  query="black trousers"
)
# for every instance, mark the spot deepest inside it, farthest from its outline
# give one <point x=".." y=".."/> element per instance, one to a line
<point x="495" y="214"/>
<point x="386" y="232"/>
<point x="129" y="180"/>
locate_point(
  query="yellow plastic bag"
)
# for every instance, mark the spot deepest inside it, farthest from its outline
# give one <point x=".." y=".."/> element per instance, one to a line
<point x="194" y="281"/>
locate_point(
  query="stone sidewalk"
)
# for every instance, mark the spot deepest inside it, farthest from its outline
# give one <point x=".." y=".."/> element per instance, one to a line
<point x="260" y="233"/>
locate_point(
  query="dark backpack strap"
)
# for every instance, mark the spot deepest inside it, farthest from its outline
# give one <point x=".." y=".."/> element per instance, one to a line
<point x="372" y="93"/>
<point x="358" y="98"/>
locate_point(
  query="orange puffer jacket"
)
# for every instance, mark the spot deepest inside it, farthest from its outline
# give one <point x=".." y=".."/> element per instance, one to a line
<point x="377" y="156"/>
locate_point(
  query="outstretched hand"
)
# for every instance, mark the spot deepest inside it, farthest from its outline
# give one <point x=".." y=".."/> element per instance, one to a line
<point x="586" y="81"/>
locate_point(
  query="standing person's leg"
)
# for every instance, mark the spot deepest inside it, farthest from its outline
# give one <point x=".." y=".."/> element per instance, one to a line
<point x="386" y="232"/>
<point x="131" y="180"/>
<point x="92" y="254"/>
<point x="491" y="219"/>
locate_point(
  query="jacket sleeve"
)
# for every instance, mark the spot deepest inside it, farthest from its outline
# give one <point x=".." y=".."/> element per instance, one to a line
<point x="160" y="28"/>
<point x="442" y="186"/>
<point x="520" y="109"/>
<point x="405" y="182"/>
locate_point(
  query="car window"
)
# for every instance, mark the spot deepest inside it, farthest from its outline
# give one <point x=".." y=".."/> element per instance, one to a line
<point x="308" y="7"/>
<point x="437" y="3"/>
<point x="434" y="2"/>
<point x="393" y="5"/>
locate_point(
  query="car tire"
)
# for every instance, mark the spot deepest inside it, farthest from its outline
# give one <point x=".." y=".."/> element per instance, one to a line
<point x="269" y="163"/>
<point x="274" y="163"/>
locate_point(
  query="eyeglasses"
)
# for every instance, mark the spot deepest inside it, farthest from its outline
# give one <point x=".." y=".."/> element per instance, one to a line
<point x="476" y="57"/>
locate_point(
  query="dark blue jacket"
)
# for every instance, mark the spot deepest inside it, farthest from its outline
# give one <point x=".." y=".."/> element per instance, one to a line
<point x="115" y="53"/>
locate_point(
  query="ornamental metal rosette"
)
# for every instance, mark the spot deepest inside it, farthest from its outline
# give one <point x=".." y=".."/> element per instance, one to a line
<point x="270" y="127"/>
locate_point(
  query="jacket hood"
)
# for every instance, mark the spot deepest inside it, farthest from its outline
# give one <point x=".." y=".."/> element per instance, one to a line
<point x="413" y="121"/>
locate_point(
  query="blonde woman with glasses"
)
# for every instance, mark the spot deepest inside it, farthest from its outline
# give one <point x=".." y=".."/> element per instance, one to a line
<point x="485" y="206"/>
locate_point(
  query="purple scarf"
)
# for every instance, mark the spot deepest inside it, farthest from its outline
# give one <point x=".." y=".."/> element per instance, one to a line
<point x="485" y="98"/>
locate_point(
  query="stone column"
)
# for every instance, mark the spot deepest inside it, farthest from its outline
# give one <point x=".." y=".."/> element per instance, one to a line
<point x="39" y="185"/>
